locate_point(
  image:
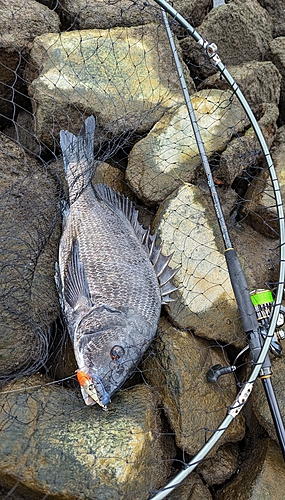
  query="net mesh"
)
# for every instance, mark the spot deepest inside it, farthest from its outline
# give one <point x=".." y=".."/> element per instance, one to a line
<point x="60" y="63"/>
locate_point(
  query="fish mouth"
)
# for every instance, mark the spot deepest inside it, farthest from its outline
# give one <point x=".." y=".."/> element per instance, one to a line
<point x="94" y="388"/>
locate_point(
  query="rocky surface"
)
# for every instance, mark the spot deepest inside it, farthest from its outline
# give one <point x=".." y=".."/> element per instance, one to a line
<point x="169" y="154"/>
<point x="277" y="13"/>
<point x="123" y="76"/>
<point x="260" y="406"/>
<point x="242" y="31"/>
<point x="276" y="54"/>
<point x="259" y="82"/>
<point x="204" y="299"/>
<point x="114" y="454"/>
<point x="112" y="59"/>
<point x="192" y="488"/>
<point x="100" y="14"/>
<point x="262" y="476"/>
<point x="29" y="235"/>
<point x="18" y="28"/>
<point x="178" y="370"/>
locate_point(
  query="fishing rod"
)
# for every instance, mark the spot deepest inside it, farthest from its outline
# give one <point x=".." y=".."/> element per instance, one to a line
<point x="260" y="336"/>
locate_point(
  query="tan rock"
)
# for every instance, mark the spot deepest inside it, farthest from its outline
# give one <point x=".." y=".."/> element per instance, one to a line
<point x="56" y="446"/>
<point x="277" y="13"/>
<point x="204" y="301"/>
<point x="169" y="154"/>
<point x="260" y="207"/>
<point x="113" y="177"/>
<point x="276" y="54"/>
<point x="124" y="76"/>
<point x="21" y="23"/>
<point x="194" y="407"/>
<point x="192" y="488"/>
<point x="223" y="465"/>
<point x="259" y="401"/>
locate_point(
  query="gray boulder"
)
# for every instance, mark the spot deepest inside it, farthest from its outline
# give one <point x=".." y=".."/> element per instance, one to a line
<point x="92" y="14"/>
<point x="29" y="235"/>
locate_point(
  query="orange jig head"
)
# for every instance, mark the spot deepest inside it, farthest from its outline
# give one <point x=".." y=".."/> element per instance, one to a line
<point x="83" y="378"/>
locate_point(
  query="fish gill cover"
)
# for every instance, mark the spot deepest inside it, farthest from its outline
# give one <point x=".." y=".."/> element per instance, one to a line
<point x="61" y="62"/>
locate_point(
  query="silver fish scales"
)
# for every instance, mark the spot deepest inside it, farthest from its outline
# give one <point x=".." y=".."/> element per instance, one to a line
<point x="110" y="275"/>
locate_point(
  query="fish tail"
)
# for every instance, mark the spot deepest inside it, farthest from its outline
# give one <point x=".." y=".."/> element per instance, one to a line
<point x="78" y="155"/>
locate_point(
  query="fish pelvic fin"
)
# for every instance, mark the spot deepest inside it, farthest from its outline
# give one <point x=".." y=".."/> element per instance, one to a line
<point x="160" y="263"/>
<point x="76" y="290"/>
<point x="78" y="157"/>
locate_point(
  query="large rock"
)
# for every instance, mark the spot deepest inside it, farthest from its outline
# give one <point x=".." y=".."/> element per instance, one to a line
<point x="29" y="235"/>
<point x="242" y="31"/>
<point x="222" y="466"/>
<point x="194" y="407"/>
<point x="169" y="155"/>
<point x="261" y="476"/>
<point x="204" y="300"/>
<point x="192" y="488"/>
<point x="260" y="206"/>
<point x="276" y="10"/>
<point x="19" y="25"/>
<point x="259" y="82"/>
<point x="54" y="445"/>
<point x="90" y="14"/>
<point x="277" y="56"/>
<point x="124" y="76"/>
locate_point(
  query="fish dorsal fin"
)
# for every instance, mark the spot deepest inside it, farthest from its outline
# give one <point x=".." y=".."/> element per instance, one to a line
<point x="76" y="288"/>
<point x="160" y="263"/>
<point x="126" y="206"/>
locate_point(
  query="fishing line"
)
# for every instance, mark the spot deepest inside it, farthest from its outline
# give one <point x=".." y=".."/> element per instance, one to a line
<point x="39" y="386"/>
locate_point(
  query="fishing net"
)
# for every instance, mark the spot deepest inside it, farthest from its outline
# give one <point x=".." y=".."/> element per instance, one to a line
<point x="60" y="63"/>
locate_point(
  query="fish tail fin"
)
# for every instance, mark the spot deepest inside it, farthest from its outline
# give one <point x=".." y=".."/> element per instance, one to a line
<point x="78" y="156"/>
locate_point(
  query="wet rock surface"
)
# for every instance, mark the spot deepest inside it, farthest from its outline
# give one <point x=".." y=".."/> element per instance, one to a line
<point x="112" y="59"/>
<point x="116" y="454"/>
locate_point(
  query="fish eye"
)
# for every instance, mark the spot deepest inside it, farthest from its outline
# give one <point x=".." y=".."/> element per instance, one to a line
<point x="117" y="352"/>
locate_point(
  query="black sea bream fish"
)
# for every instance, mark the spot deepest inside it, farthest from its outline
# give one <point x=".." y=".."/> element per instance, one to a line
<point x="110" y="276"/>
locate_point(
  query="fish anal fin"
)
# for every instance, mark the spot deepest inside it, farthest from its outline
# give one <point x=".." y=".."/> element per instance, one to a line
<point x="76" y="290"/>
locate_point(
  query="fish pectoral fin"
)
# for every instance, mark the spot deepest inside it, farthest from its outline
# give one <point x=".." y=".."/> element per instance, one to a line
<point x="75" y="283"/>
